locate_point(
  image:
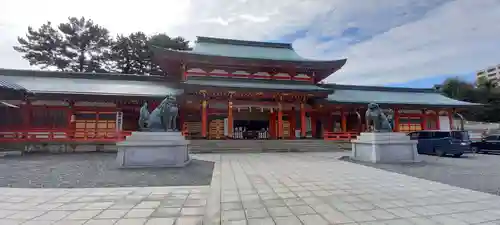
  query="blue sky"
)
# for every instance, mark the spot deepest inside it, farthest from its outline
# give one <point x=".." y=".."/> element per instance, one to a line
<point x="413" y="43"/>
<point x="431" y="81"/>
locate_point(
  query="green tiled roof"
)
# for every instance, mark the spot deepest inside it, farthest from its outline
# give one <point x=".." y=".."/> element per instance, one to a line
<point x="69" y="85"/>
<point x="393" y="96"/>
<point x="255" y="84"/>
<point x="246" y="49"/>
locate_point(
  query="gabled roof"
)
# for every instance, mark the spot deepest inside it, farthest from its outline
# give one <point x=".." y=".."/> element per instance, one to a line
<point x="48" y="82"/>
<point x="391" y="96"/>
<point x="249" y="53"/>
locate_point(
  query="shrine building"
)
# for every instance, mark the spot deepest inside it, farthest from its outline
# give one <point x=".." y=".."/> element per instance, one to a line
<point x="227" y="89"/>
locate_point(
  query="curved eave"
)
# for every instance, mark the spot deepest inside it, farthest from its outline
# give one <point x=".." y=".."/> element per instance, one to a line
<point x="321" y="68"/>
<point x="465" y="105"/>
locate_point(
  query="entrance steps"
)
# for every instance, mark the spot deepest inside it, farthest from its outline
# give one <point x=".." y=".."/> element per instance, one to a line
<point x="304" y="145"/>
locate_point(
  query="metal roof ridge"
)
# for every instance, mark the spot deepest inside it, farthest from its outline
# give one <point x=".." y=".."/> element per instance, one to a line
<point x="379" y="88"/>
<point x="227" y="41"/>
<point x="78" y="75"/>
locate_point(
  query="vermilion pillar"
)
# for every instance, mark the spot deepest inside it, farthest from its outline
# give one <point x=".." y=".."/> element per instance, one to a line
<point x="343" y="121"/>
<point x="204" y="118"/>
<point x="280" y="121"/>
<point x="423" y="121"/>
<point x="302" y="121"/>
<point x="396" y="120"/>
<point x="438" y="123"/>
<point x="230" y="119"/>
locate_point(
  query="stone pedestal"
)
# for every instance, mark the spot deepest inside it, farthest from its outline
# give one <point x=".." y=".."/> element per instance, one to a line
<point x="153" y="149"/>
<point x="384" y="148"/>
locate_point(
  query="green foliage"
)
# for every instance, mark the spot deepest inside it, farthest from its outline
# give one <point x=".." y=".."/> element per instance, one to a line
<point x="132" y="53"/>
<point x="43" y="47"/>
<point x="484" y="92"/>
<point x="80" y="45"/>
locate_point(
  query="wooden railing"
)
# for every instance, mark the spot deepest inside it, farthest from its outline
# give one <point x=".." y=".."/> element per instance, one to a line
<point x="340" y="136"/>
<point x="63" y="135"/>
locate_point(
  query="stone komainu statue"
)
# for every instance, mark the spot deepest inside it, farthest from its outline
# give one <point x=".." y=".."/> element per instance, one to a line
<point x="163" y="118"/>
<point x="376" y="119"/>
<point x="143" y="117"/>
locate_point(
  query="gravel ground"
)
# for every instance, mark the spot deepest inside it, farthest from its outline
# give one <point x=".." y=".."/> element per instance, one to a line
<point x="86" y="170"/>
<point x="472" y="171"/>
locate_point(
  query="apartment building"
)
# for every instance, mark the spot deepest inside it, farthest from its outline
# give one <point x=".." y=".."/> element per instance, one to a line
<point x="491" y="73"/>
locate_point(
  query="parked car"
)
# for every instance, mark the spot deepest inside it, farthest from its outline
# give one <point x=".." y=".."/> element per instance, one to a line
<point x="489" y="143"/>
<point x="441" y="143"/>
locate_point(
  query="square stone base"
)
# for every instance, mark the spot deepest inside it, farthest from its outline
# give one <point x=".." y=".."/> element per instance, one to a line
<point x="153" y="149"/>
<point x="384" y="148"/>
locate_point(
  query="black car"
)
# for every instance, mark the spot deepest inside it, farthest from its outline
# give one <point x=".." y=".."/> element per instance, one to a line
<point x="489" y="143"/>
<point x="441" y="143"/>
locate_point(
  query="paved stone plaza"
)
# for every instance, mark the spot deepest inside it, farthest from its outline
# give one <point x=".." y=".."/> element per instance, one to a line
<point x="280" y="188"/>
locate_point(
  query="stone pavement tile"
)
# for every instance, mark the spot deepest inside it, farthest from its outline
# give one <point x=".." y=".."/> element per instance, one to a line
<point x="112" y="214"/>
<point x="72" y="206"/>
<point x="274" y="203"/>
<point x="381" y="214"/>
<point x="280" y="211"/>
<point x="343" y="206"/>
<point x="195" y="203"/>
<point x="101" y="222"/>
<point x="256" y="213"/>
<point x="139" y="213"/>
<point x="172" y="203"/>
<point x="122" y="205"/>
<point x="302" y="210"/>
<point x="402" y="212"/>
<point x="313" y="220"/>
<point x="289" y="220"/>
<point x="131" y="221"/>
<point x="46" y="206"/>
<point x="54" y="215"/>
<point x="254" y="204"/>
<point x="166" y="212"/>
<point x="336" y="217"/>
<point x="160" y="221"/>
<point x="5" y="213"/>
<point x="11" y="222"/>
<point x="373" y="223"/>
<point x="38" y="222"/>
<point x="363" y="205"/>
<point x="69" y="222"/>
<point x="231" y="205"/>
<point x="423" y="221"/>
<point x="148" y="205"/>
<point x="83" y="215"/>
<point x="294" y="201"/>
<point x="422" y="210"/>
<point x="323" y="208"/>
<point x="261" y="221"/>
<point x="398" y="222"/>
<point x="233" y="215"/>
<point x="447" y="219"/>
<point x="25" y="215"/>
<point x="359" y="216"/>
<point x="235" y="222"/>
<point x="472" y="217"/>
<point x="192" y="211"/>
<point x="189" y="220"/>
<point x="98" y="205"/>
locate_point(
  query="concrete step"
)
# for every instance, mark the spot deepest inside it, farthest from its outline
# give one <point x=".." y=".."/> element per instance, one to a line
<point x="200" y="146"/>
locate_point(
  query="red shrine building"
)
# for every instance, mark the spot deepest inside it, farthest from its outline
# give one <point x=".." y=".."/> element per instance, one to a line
<point x="227" y="89"/>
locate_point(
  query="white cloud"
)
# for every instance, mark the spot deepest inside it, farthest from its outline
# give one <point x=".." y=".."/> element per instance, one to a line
<point x="386" y="41"/>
